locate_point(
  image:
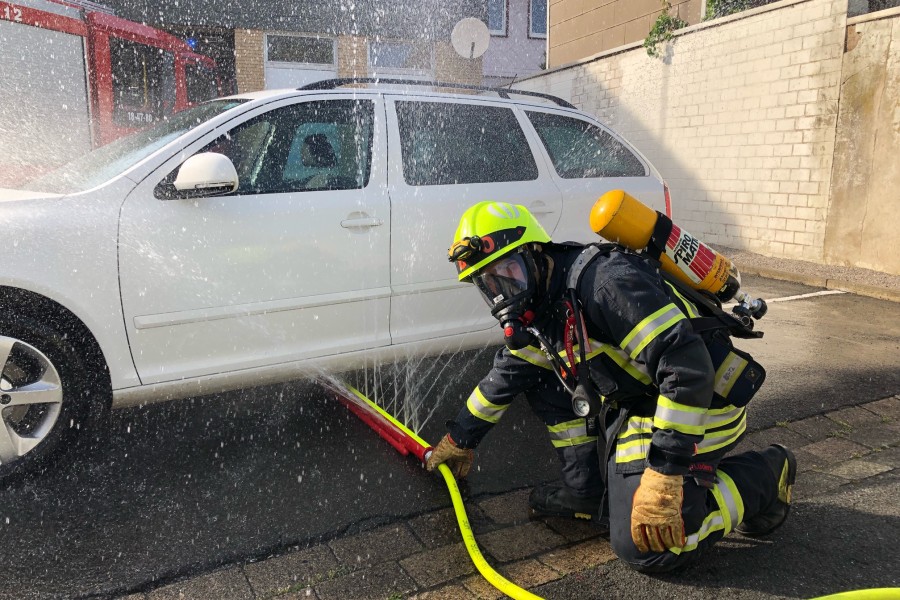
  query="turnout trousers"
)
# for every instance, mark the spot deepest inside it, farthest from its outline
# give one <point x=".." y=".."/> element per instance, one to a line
<point x="719" y="494"/>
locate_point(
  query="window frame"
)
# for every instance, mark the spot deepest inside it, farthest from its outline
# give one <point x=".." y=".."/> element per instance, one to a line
<point x="159" y="90"/>
<point x="165" y="190"/>
<point x="407" y="177"/>
<point x="531" y="33"/>
<point x="374" y="69"/>
<point x="504" y="31"/>
<point x="292" y="64"/>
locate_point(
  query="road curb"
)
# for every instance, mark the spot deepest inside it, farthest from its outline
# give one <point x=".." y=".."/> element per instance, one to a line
<point x="860" y="289"/>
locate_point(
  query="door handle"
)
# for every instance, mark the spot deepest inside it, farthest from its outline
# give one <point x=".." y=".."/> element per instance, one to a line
<point x="540" y="209"/>
<point x="361" y="223"/>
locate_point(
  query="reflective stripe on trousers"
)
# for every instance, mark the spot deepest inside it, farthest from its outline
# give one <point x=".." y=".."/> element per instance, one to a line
<point x="570" y="433"/>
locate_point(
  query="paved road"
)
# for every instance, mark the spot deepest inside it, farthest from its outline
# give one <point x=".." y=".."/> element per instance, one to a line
<point x="183" y="487"/>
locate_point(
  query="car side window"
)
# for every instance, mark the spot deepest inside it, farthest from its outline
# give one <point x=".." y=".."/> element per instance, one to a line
<point x="580" y="150"/>
<point x="312" y="146"/>
<point x="446" y="143"/>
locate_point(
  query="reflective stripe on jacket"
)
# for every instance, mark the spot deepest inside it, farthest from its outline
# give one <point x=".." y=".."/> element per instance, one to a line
<point x="643" y="353"/>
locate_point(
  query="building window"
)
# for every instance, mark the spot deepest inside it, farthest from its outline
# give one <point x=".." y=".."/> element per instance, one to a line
<point x="401" y="58"/>
<point x="537" y="19"/>
<point x="497" y="11"/>
<point x="300" y="49"/>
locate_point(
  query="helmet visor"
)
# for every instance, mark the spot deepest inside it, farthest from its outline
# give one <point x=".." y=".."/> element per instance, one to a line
<point x="503" y="279"/>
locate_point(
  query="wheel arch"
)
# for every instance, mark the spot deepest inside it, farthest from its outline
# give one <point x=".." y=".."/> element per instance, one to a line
<point x="65" y="321"/>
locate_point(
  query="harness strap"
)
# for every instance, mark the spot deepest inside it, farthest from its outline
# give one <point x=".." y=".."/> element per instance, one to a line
<point x="609" y="438"/>
<point x="581" y="262"/>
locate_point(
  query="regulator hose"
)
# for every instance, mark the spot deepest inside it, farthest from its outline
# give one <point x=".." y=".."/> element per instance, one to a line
<point x="420" y="448"/>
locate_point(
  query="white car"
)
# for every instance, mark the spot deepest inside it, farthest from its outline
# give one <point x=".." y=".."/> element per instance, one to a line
<point x="266" y="236"/>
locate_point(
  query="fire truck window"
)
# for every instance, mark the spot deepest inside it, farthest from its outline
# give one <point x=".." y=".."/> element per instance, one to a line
<point x="200" y="83"/>
<point x="311" y="146"/>
<point x="143" y="81"/>
<point x="580" y="150"/>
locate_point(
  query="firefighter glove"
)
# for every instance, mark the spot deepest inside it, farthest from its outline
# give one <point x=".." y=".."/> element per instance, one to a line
<point x="656" y="522"/>
<point x="458" y="459"/>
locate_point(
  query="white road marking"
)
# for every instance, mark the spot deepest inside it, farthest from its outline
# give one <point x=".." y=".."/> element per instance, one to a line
<point x="809" y="295"/>
<point x="797" y="297"/>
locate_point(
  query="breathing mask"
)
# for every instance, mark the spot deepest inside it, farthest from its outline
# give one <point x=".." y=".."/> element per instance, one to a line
<point x="510" y="285"/>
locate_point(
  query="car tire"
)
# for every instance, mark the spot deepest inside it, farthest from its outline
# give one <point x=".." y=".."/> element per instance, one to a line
<point x="51" y="393"/>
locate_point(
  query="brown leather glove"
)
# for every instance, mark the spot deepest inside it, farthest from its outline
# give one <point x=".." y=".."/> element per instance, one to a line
<point x="458" y="459"/>
<point x="656" y="522"/>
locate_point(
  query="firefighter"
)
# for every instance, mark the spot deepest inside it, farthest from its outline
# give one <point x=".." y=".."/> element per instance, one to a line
<point x="651" y="466"/>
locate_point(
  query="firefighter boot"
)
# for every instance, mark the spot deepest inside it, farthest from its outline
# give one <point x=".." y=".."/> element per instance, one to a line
<point x="784" y="467"/>
<point x="556" y="500"/>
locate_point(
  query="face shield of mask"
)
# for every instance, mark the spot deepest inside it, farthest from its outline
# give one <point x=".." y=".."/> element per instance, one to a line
<point x="503" y="281"/>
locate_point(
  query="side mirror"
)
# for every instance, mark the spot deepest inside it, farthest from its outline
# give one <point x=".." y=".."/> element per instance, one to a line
<point x="207" y="174"/>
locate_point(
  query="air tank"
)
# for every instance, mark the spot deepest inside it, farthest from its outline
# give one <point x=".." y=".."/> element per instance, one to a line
<point x="619" y="217"/>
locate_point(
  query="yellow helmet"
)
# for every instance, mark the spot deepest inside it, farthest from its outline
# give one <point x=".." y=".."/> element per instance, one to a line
<point x="490" y="230"/>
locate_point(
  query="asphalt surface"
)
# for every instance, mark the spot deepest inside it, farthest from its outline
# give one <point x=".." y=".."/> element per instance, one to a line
<point x="184" y="487"/>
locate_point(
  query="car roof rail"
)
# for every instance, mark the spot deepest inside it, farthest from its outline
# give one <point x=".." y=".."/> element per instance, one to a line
<point x="330" y="84"/>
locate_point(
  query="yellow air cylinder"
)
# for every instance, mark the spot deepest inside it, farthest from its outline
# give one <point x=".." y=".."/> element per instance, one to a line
<point x="621" y="218"/>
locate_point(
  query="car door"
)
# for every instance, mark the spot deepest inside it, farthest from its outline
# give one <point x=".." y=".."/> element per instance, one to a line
<point x="588" y="161"/>
<point x="291" y="266"/>
<point x="445" y="156"/>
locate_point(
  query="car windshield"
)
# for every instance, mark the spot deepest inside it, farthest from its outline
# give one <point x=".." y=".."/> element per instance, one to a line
<point x="106" y="162"/>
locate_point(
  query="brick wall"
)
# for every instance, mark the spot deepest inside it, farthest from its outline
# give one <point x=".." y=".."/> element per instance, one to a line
<point x="739" y="117"/>
<point x="450" y="66"/>
<point x="352" y="56"/>
<point x="250" y="71"/>
<point x="580" y="28"/>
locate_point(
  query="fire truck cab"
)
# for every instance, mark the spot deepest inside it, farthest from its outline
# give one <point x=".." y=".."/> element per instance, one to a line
<point x="75" y="77"/>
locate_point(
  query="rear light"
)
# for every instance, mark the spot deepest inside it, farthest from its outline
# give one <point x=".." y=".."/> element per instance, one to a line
<point x="668" y="200"/>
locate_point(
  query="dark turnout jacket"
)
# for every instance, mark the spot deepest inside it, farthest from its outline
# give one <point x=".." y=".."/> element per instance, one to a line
<point x="643" y="356"/>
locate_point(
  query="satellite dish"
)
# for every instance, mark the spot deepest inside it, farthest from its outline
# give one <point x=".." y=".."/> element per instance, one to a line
<point x="470" y="37"/>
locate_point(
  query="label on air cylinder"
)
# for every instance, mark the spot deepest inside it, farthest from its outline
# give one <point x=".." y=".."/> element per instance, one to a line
<point x="689" y="254"/>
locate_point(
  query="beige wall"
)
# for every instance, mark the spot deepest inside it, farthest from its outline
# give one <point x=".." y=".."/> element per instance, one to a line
<point x="248" y="60"/>
<point x="865" y="202"/>
<point x="771" y="137"/>
<point x="451" y="67"/>
<point x="352" y="56"/>
<point x="739" y="117"/>
<point x="581" y="28"/>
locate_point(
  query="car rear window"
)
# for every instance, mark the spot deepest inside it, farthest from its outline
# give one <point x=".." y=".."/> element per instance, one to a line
<point x="580" y="150"/>
<point x="447" y="143"/>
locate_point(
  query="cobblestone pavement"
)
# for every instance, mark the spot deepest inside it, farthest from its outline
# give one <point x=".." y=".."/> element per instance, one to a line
<point x="842" y="451"/>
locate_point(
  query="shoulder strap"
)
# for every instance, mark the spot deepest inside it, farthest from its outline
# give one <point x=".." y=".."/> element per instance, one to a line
<point x="587" y="256"/>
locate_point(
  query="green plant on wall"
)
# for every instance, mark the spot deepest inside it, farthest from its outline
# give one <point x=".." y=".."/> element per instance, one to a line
<point x="662" y="29"/>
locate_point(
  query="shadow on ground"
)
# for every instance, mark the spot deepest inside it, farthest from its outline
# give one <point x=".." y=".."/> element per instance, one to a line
<point x="843" y="541"/>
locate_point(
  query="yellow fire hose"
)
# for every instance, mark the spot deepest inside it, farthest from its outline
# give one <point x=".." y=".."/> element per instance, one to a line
<point x="417" y="446"/>
<point x="873" y="594"/>
<point x="405" y="441"/>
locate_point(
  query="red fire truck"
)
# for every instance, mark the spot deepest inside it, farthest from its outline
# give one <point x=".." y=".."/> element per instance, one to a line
<point x="73" y="76"/>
